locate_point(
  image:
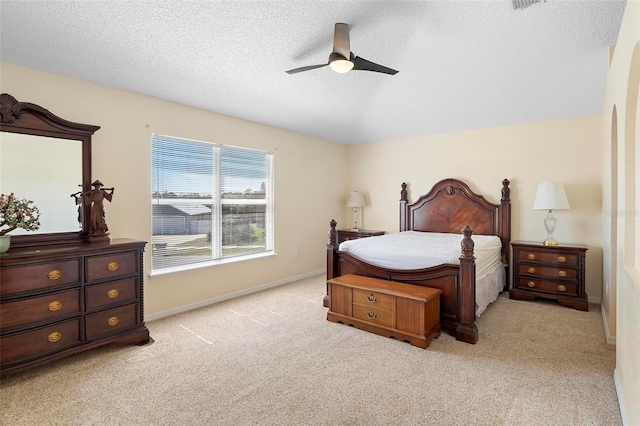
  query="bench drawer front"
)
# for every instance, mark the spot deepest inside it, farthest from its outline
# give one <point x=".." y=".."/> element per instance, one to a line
<point x="374" y="299"/>
<point x="373" y="315"/>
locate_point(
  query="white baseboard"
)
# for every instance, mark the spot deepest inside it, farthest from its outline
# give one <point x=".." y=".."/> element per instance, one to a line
<point x="222" y="298"/>
<point x="596" y="300"/>
<point x="623" y="411"/>
<point x="610" y="339"/>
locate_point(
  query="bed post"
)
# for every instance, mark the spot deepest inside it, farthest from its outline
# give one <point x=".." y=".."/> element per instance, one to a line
<point x="403" y="207"/>
<point x="332" y="263"/>
<point x="505" y="230"/>
<point x="467" y="331"/>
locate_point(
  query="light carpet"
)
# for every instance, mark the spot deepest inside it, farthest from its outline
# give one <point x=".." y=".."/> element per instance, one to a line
<point x="272" y="358"/>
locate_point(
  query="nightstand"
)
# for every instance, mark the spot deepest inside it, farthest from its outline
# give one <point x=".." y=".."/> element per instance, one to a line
<point x="351" y="234"/>
<point x="549" y="272"/>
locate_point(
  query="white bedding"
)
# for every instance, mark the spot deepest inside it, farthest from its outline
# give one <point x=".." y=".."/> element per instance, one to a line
<point x="416" y="250"/>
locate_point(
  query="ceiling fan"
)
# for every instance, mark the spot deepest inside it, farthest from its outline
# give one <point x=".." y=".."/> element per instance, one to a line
<point x="342" y="60"/>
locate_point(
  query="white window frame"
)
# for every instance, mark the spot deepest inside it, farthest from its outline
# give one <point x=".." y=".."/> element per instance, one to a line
<point x="217" y="203"/>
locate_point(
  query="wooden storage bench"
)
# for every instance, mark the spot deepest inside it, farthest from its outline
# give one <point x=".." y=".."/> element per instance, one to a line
<point x="404" y="311"/>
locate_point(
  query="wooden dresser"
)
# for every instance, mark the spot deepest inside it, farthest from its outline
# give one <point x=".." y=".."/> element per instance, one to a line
<point x="391" y="309"/>
<point x="63" y="299"/>
<point x="550" y="272"/>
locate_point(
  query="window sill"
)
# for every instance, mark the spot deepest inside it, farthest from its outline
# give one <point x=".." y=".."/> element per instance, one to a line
<point x="211" y="263"/>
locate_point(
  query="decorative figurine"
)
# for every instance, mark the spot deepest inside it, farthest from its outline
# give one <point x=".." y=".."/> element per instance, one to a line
<point x="98" y="229"/>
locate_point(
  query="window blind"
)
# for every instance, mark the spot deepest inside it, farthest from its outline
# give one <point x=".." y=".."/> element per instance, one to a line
<point x="209" y="202"/>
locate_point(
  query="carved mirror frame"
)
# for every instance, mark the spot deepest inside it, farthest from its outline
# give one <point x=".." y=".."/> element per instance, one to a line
<point x="31" y="119"/>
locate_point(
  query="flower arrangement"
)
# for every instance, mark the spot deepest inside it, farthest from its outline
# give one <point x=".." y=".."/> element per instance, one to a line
<point x="18" y="213"/>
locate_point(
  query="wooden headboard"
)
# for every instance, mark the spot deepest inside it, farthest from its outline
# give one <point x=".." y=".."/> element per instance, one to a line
<point x="451" y="205"/>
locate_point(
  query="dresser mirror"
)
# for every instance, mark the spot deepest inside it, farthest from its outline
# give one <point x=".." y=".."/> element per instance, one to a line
<point x="45" y="159"/>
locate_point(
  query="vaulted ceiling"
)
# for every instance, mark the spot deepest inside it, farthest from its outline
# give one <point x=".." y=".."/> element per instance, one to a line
<point x="462" y="64"/>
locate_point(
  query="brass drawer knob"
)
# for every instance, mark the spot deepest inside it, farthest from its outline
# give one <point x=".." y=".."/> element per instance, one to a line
<point x="113" y="293"/>
<point x="531" y="270"/>
<point x="562" y="259"/>
<point x="531" y="256"/>
<point x="54" y="337"/>
<point x="372" y="315"/>
<point x="54" y="275"/>
<point x="531" y="284"/>
<point x="113" y="321"/>
<point x="371" y="298"/>
<point x="55" y="305"/>
<point x="113" y="266"/>
<point x="562" y="274"/>
<point x="562" y="288"/>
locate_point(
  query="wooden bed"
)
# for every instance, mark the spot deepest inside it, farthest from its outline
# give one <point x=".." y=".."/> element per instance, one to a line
<point x="449" y="207"/>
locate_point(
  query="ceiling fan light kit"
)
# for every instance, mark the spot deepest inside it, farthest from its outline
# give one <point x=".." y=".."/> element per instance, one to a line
<point x="342" y="60"/>
<point x="339" y="63"/>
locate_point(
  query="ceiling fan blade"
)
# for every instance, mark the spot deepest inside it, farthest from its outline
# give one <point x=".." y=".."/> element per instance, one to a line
<point x="307" y="68"/>
<point x="364" y="65"/>
<point x="341" y="43"/>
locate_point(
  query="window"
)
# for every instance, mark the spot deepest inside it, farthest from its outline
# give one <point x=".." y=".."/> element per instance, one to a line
<point x="210" y="203"/>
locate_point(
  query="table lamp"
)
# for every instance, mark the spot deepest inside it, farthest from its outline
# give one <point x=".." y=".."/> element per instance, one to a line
<point x="550" y="196"/>
<point x="356" y="200"/>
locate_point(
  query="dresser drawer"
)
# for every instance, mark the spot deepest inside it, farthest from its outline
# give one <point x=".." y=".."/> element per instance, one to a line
<point x="550" y="272"/>
<point x="373" y="315"/>
<point x="111" y="266"/>
<point x="548" y="286"/>
<point x="42" y="308"/>
<point x="18" y="279"/>
<point x="52" y="338"/>
<point x="374" y="299"/>
<point x="110" y="321"/>
<point x="120" y="291"/>
<point x="548" y="257"/>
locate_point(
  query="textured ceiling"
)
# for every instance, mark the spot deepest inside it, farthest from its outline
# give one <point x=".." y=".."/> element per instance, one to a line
<point x="463" y="64"/>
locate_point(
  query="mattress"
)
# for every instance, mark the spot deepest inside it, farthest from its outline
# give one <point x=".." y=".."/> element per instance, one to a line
<point x="417" y="250"/>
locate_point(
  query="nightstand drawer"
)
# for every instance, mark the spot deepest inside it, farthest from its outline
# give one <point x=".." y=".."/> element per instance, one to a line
<point x="373" y="299"/>
<point x="548" y="286"/>
<point x="548" y="272"/>
<point x="548" y="258"/>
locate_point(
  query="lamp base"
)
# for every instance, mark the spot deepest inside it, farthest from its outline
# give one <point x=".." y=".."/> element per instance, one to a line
<point x="550" y="225"/>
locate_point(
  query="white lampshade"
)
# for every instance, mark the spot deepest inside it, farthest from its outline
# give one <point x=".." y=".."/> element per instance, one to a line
<point x="551" y="196"/>
<point x="356" y="199"/>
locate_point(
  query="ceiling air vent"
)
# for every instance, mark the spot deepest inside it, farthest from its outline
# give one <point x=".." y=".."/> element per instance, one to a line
<point x="521" y="4"/>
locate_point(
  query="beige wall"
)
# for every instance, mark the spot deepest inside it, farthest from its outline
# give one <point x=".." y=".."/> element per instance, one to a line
<point x="309" y="179"/>
<point x="567" y="151"/>
<point x="621" y="203"/>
